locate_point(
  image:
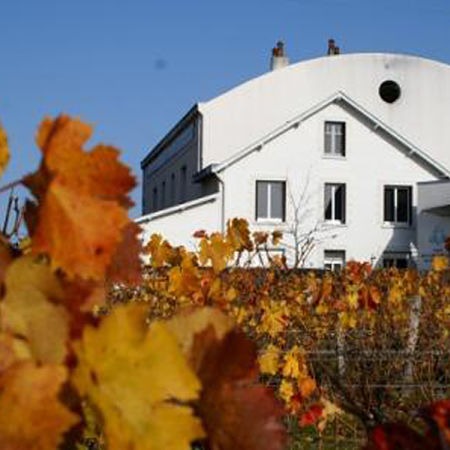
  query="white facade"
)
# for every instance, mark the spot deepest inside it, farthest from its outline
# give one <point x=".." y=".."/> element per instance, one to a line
<point x="316" y="135"/>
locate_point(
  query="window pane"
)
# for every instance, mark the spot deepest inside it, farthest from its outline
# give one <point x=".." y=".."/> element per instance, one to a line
<point x="261" y="199"/>
<point x="277" y="200"/>
<point x="327" y="143"/>
<point x="155" y="199"/>
<point x="335" y="138"/>
<point x="172" y="188"/>
<point x="334" y="259"/>
<point x="389" y="205"/>
<point x="339" y="199"/>
<point x="328" y="208"/>
<point x="401" y="263"/>
<point x="339" y="144"/>
<point x="402" y="204"/>
<point x="163" y="194"/>
<point x="183" y="180"/>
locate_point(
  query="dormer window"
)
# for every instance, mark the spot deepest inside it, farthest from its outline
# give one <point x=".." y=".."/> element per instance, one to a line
<point x="334" y="138"/>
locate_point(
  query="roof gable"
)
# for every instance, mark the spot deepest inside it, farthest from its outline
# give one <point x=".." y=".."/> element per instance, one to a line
<point x="343" y="100"/>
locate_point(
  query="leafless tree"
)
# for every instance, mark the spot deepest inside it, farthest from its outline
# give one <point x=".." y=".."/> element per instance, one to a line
<point x="304" y="237"/>
<point x="13" y="218"/>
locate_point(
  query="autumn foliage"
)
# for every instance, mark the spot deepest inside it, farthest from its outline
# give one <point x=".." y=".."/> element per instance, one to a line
<point x="68" y="374"/>
<point x="201" y="349"/>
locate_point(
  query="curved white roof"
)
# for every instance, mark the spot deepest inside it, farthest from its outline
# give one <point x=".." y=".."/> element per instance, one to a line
<point x="244" y="114"/>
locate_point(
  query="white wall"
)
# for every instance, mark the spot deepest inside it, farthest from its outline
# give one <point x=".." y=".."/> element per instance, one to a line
<point x="298" y="157"/>
<point x="178" y="224"/>
<point x="243" y="115"/>
<point x="433" y="221"/>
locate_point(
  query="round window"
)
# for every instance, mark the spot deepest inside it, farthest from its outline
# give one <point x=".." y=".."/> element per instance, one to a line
<point x="389" y="91"/>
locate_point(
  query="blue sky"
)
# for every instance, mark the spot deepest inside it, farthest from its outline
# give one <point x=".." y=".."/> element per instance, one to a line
<point x="133" y="68"/>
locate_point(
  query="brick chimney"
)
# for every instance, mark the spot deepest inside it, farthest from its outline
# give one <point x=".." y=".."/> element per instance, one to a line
<point x="278" y="59"/>
<point x="333" y="49"/>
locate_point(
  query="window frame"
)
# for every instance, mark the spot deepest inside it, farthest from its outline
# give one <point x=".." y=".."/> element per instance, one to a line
<point x="333" y="219"/>
<point x="395" y="257"/>
<point x="183" y="183"/>
<point x="396" y="188"/>
<point x="163" y="194"/>
<point x="332" y="153"/>
<point x="155" y="198"/>
<point x="334" y="260"/>
<point x="269" y="218"/>
<point x="173" y="195"/>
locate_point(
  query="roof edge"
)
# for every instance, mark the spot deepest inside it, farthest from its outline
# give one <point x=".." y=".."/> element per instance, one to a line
<point x="337" y="98"/>
<point x="172" y="134"/>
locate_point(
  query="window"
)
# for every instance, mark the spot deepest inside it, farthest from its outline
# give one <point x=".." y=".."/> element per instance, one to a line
<point x="334" y="260"/>
<point x="399" y="260"/>
<point x="183" y="180"/>
<point x="335" y="202"/>
<point x="172" y="189"/>
<point x="397" y="204"/>
<point x="163" y="194"/>
<point x="155" y="199"/>
<point x="270" y="200"/>
<point x="389" y="91"/>
<point x="335" y="138"/>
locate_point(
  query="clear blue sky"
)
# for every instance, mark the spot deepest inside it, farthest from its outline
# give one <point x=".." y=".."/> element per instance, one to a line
<point x="134" y="67"/>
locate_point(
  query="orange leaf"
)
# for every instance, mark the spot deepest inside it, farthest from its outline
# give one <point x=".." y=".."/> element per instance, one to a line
<point x="307" y="386"/>
<point x="4" y="152"/>
<point x="80" y="234"/>
<point x="125" y="266"/>
<point x="31" y="416"/>
<point x="80" y="217"/>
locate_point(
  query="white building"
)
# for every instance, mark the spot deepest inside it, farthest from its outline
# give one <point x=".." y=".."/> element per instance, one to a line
<point x="359" y="143"/>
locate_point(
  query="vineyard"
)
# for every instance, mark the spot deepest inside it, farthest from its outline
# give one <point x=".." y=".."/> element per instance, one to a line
<point x="201" y="350"/>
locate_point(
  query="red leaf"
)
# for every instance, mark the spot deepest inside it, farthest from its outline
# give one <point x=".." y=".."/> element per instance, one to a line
<point x="311" y="416"/>
<point x="237" y="413"/>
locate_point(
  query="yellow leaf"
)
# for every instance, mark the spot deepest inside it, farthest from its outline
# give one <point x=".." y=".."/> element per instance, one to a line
<point x="274" y="318"/>
<point x="12" y="350"/>
<point x="291" y="363"/>
<point x="347" y="320"/>
<point x="4" y="152"/>
<point x="352" y="298"/>
<point x="269" y="360"/>
<point x="144" y="407"/>
<point x="286" y="390"/>
<point x="231" y="294"/>
<point x="30" y="309"/>
<point x="185" y="325"/>
<point x="159" y="250"/>
<point x="439" y="263"/>
<point x="329" y="412"/>
<point x="217" y="250"/>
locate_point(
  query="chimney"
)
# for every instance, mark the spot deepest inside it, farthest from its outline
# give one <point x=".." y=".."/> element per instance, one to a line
<point x="278" y="59"/>
<point x="333" y="49"/>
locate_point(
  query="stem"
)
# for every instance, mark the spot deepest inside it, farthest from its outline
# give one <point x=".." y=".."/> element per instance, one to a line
<point x="11" y="185"/>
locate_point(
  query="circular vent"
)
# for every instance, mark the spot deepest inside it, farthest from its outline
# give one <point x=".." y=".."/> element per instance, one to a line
<point x="389" y="91"/>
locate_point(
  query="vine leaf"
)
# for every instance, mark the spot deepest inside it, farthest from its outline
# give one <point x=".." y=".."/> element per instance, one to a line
<point x="30" y="309"/>
<point x="139" y="381"/>
<point x="32" y="417"/>
<point x="125" y="266"/>
<point x="235" y="410"/>
<point x="82" y="198"/>
<point x="4" y="152"/>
